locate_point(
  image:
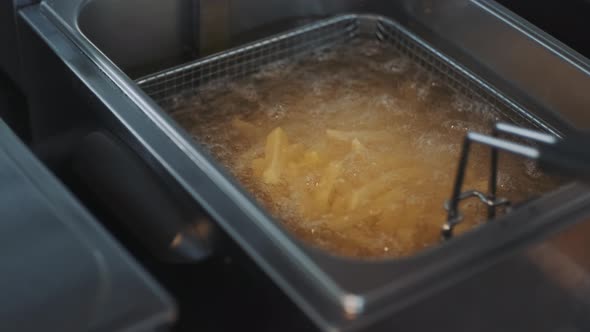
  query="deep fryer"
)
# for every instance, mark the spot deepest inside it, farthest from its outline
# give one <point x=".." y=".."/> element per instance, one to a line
<point x="335" y="293"/>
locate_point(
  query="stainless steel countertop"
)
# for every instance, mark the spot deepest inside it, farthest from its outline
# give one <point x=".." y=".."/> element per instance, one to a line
<point x="61" y="271"/>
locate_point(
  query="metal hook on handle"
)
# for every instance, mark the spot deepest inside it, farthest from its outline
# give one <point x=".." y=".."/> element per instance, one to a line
<point x="491" y="202"/>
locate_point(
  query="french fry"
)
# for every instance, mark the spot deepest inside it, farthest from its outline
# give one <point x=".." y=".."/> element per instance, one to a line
<point x="357" y="146"/>
<point x="326" y="185"/>
<point x="301" y="162"/>
<point x="367" y="192"/>
<point x="275" y="154"/>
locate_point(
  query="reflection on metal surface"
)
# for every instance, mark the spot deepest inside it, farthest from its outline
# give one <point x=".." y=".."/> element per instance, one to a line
<point x="176" y="241"/>
<point x="564" y="271"/>
<point x="215" y="25"/>
<point x="203" y="228"/>
<point x="168" y="30"/>
<point x="62" y="271"/>
<point x="565" y="259"/>
<point x="353" y="305"/>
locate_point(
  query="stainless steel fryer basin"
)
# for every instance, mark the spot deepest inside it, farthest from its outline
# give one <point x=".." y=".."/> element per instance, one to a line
<point x="339" y="293"/>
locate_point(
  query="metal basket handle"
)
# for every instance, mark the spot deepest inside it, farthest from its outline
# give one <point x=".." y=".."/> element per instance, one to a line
<point x="490" y="199"/>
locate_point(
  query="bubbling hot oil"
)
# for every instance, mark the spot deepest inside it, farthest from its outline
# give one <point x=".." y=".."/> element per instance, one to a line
<point x="368" y="146"/>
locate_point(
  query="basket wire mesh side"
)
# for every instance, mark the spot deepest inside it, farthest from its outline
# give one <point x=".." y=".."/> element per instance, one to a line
<point x="183" y="81"/>
<point x="164" y="86"/>
<point x="453" y="74"/>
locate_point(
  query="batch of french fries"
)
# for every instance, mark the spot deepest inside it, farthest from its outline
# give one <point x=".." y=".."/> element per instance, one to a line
<point x="347" y="181"/>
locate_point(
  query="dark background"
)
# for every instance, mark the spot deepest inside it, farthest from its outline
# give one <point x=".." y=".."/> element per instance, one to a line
<point x="566" y="20"/>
